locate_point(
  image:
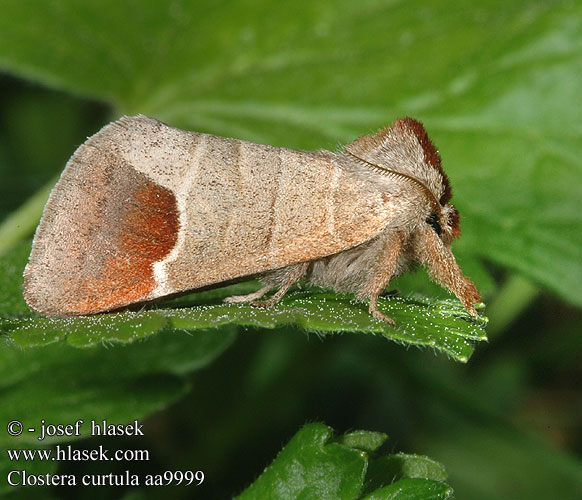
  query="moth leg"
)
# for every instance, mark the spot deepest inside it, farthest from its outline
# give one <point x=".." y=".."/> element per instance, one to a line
<point x="250" y="297"/>
<point x="381" y="274"/>
<point x="285" y="279"/>
<point x="443" y="268"/>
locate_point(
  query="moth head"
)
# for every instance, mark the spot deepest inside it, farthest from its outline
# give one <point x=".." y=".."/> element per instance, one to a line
<point x="445" y="224"/>
<point x="448" y="223"/>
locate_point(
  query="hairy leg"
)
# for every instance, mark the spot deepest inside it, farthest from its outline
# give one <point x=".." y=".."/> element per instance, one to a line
<point x="250" y="297"/>
<point x="284" y="279"/>
<point x="383" y="270"/>
<point x="443" y="268"/>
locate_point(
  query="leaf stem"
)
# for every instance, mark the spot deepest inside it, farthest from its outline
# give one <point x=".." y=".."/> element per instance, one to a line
<point x="22" y="222"/>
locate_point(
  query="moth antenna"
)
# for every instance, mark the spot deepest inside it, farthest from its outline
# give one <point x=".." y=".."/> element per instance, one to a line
<point x="386" y="171"/>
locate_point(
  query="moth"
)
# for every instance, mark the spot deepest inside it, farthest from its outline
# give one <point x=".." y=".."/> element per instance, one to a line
<point x="144" y="211"/>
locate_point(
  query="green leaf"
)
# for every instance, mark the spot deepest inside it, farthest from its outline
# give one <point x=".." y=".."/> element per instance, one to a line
<point x="494" y="82"/>
<point x="441" y="324"/>
<point x="314" y="465"/>
<point x="413" y="489"/>
<point x="362" y="440"/>
<point x="59" y="382"/>
<point x="403" y="466"/>
<point x="310" y="468"/>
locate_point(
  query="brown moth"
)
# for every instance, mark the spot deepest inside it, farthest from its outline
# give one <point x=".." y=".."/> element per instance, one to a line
<point x="144" y="211"/>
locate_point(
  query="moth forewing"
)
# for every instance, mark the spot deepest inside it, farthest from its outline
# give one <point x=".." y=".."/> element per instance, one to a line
<point x="144" y="210"/>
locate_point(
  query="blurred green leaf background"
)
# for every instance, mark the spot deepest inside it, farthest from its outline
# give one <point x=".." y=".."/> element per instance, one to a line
<point x="497" y="85"/>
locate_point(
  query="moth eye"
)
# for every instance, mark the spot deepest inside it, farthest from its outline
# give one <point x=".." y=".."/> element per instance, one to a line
<point x="433" y="221"/>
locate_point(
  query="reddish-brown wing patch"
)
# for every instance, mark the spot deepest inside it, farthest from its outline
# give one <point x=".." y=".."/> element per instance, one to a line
<point x="102" y="230"/>
<point x="146" y="232"/>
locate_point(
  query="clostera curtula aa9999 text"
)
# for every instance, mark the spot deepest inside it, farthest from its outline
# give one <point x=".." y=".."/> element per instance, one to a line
<point x="144" y="211"/>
